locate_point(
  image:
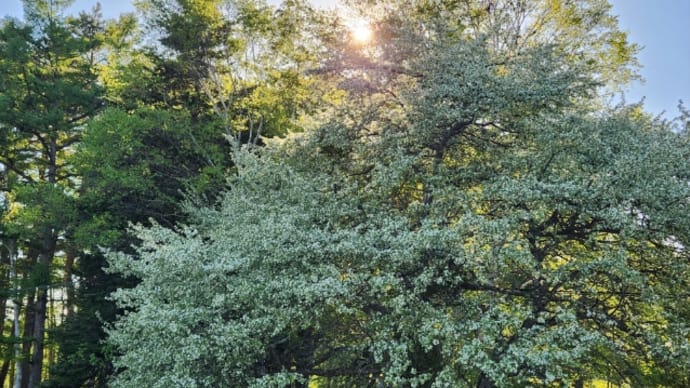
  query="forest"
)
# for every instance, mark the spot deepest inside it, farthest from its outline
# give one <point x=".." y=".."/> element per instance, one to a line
<point x="230" y="193"/>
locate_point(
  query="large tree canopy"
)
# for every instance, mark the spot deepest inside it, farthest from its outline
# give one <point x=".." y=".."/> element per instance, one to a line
<point x="463" y="220"/>
<point x="451" y="202"/>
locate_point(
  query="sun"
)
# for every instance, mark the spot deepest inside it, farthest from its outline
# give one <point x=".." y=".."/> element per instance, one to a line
<point x="360" y="30"/>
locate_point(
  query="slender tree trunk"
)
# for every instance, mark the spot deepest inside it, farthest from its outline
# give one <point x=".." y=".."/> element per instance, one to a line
<point x="5" y="285"/>
<point x="16" y="311"/>
<point x="3" y="315"/>
<point x="4" y="371"/>
<point x="67" y="279"/>
<point x="52" y="323"/>
<point x="23" y="366"/>
<point x="44" y="261"/>
<point x="40" y="314"/>
<point x="17" y="374"/>
<point x="39" y="334"/>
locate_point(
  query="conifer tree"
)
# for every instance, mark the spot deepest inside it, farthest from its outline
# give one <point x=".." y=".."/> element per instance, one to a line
<point x="49" y="90"/>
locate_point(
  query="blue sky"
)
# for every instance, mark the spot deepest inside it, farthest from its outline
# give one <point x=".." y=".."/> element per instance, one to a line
<point x="662" y="27"/>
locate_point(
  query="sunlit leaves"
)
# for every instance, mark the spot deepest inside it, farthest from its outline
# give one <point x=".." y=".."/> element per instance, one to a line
<point x="467" y="220"/>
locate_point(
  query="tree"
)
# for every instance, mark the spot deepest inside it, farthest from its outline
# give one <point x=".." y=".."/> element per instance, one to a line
<point x="162" y="142"/>
<point x="473" y="225"/>
<point x="583" y="31"/>
<point x="243" y="61"/>
<point x="135" y="167"/>
<point x="49" y="91"/>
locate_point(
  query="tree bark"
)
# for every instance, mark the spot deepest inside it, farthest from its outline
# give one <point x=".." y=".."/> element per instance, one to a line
<point x="45" y="259"/>
<point x="3" y="316"/>
<point x="67" y="279"/>
<point x="38" y="338"/>
<point x="16" y="303"/>
<point x="40" y="314"/>
<point x="22" y="367"/>
<point x="4" y="371"/>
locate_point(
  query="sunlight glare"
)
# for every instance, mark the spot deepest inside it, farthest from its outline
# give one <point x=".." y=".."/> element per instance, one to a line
<point x="361" y="31"/>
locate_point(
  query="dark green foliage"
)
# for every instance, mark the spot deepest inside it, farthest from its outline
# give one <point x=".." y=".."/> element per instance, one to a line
<point x="135" y="168"/>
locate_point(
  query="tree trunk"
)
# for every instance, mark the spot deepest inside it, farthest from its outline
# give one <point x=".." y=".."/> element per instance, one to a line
<point x="4" y="371"/>
<point x="67" y="279"/>
<point x="16" y="304"/>
<point x="45" y="258"/>
<point x="23" y="366"/>
<point x="40" y="311"/>
<point x="7" y="279"/>
<point x="38" y="338"/>
<point x="18" y="371"/>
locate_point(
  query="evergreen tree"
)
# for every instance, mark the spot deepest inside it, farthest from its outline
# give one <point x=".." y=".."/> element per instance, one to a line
<point x="49" y="90"/>
<point x="135" y="167"/>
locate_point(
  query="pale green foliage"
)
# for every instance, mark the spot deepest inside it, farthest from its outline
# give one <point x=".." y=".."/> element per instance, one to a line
<point x="476" y="227"/>
<point x="585" y="31"/>
<point x="217" y="291"/>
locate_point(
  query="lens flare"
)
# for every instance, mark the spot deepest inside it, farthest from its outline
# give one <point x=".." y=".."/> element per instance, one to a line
<point x="361" y="31"/>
